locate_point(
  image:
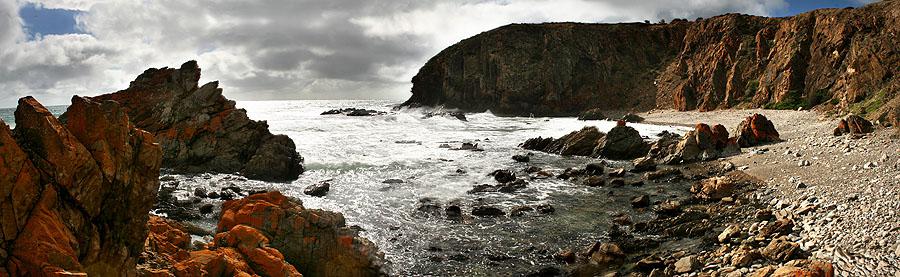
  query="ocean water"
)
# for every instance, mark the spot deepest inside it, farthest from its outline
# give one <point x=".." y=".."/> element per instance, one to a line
<point x="356" y="154"/>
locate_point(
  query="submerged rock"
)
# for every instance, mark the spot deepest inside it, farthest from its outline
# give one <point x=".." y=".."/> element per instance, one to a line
<point x="487" y="211"/>
<point x="318" y="190"/>
<point x="202" y="131"/>
<point x="353" y="112"/>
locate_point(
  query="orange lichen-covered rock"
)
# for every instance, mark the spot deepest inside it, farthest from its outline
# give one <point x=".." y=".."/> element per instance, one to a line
<point x="317" y="242"/>
<point x="97" y="179"/>
<point x="756" y="130"/>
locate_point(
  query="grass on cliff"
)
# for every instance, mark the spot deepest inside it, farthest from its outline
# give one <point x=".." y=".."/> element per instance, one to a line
<point x="794" y="100"/>
<point x="870" y="104"/>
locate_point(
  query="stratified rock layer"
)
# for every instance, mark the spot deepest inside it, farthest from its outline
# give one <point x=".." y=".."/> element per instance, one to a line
<point x="847" y="58"/>
<point x="75" y="194"/>
<point x="202" y="131"/>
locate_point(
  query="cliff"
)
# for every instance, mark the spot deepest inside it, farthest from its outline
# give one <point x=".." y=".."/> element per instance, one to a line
<point x="75" y="195"/>
<point x="202" y="131"/>
<point x="840" y="59"/>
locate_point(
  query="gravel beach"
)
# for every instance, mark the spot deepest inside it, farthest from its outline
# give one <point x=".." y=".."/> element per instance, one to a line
<point x="843" y="192"/>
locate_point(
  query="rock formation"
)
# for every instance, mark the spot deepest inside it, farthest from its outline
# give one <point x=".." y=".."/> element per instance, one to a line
<point x="838" y="58"/>
<point x="317" y="242"/>
<point x="75" y="194"/>
<point x="701" y="144"/>
<point x="202" y="131"/>
<point x="755" y="130"/>
<point x="621" y="143"/>
<point x="853" y="124"/>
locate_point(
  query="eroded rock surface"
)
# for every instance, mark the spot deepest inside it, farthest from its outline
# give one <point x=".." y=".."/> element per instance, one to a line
<point x="202" y="131"/>
<point x="75" y="194"/>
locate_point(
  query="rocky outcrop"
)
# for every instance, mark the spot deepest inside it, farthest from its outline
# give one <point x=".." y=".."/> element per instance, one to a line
<point x="202" y="131"/>
<point x="317" y="242"/>
<point x="853" y="124"/>
<point x="844" y="59"/>
<point x="621" y="143"/>
<point x="75" y="194"/>
<point x="701" y="144"/>
<point x="755" y="130"/>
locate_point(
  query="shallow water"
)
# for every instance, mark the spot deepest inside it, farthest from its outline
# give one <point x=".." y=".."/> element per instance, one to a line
<point x="358" y="153"/>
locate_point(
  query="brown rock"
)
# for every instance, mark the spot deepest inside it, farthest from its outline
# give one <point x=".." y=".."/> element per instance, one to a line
<point x="780" y="249"/>
<point x="622" y="143"/>
<point x="714" y="188"/>
<point x="202" y="131"/>
<point x="853" y="124"/>
<point x="805" y="268"/>
<point x="606" y="254"/>
<point x="756" y="130"/>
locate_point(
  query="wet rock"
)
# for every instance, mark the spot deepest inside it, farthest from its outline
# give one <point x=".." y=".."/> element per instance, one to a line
<point x="592" y="114"/>
<point x="202" y="131"/>
<point x="594" y="181"/>
<point x="520" y="211"/>
<point x="578" y="143"/>
<point x="644" y="164"/>
<point x="461" y="116"/>
<point x="468" y="146"/>
<point x="393" y="181"/>
<point x="545" y="209"/>
<point x="521" y="158"/>
<point x="200" y="192"/>
<point x="566" y="256"/>
<point x="649" y="263"/>
<point x="594" y="168"/>
<point x="632" y="118"/>
<point x="756" y="130"/>
<point x="606" y="254"/>
<point x="853" y="124"/>
<point x="429" y="206"/>
<point x="206" y="209"/>
<point x="353" y="112"/>
<point x="453" y="211"/>
<point x="618" y="173"/>
<point x="546" y="272"/>
<point x="317" y="190"/>
<point x="503" y="175"/>
<point x="669" y="208"/>
<point x="622" y="143"/>
<point x="537" y="144"/>
<point x="513" y="186"/>
<point x="617" y="183"/>
<point x="659" y="174"/>
<point x="640" y="201"/>
<point x="487" y="211"/>
<point x="532" y="169"/>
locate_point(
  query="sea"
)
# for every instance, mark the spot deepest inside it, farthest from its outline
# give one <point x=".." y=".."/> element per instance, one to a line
<point x="357" y="154"/>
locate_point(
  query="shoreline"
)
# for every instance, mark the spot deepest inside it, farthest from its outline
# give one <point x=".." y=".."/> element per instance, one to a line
<point x="844" y="193"/>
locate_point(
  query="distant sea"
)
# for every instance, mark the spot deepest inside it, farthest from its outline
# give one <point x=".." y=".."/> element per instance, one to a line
<point x="8" y="114"/>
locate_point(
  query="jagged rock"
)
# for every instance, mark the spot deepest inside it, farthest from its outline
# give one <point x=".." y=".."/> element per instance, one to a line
<point x="316" y="242"/>
<point x="756" y="130"/>
<point x="487" y="211"/>
<point x="732" y="60"/>
<point x="592" y="114"/>
<point x="632" y="118"/>
<point x="643" y="164"/>
<point x="353" y="112"/>
<point x="578" y="143"/>
<point x="88" y="181"/>
<point x="715" y="187"/>
<point x="202" y="131"/>
<point x="606" y="254"/>
<point x="503" y="175"/>
<point x="640" y="201"/>
<point x="853" y="124"/>
<point x="780" y="249"/>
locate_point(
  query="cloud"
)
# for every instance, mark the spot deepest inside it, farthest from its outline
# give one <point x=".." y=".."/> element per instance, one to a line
<point x="284" y="49"/>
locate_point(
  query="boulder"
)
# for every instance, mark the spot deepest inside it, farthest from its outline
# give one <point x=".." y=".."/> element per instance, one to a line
<point x="592" y="114"/>
<point x="756" y="130"/>
<point x="487" y="211"/>
<point x="632" y="118"/>
<point x="202" y="131"/>
<point x="578" y="143"/>
<point x="853" y="124"/>
<point x="316" y="242"/>
<point x="318" y="190"/>
<point x="89" y="179"/>
<point x="714" y="188"/>
<point x="622" y="143"/>
<point x="606" y="254"/>
<point x="704" y="143"/>
<point x="640" y="201"/>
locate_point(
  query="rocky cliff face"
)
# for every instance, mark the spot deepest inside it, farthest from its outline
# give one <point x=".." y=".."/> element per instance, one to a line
<point x="845" y="59"/>
<point x="75" y="194"/>
<point x="202" y="131"/>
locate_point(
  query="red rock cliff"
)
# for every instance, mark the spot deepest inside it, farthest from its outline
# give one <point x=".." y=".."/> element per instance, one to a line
<point x="845" y="59"/>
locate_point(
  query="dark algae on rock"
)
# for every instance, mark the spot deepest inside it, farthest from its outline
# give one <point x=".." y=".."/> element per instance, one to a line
<point x="202" y="131"/>
<point x="842" y="59"/>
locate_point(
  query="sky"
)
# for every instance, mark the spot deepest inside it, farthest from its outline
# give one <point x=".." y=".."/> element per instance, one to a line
<point x="284" y="49"/>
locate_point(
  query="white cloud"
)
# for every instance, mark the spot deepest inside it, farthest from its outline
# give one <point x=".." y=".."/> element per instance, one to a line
<point x="283" y="49"/>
